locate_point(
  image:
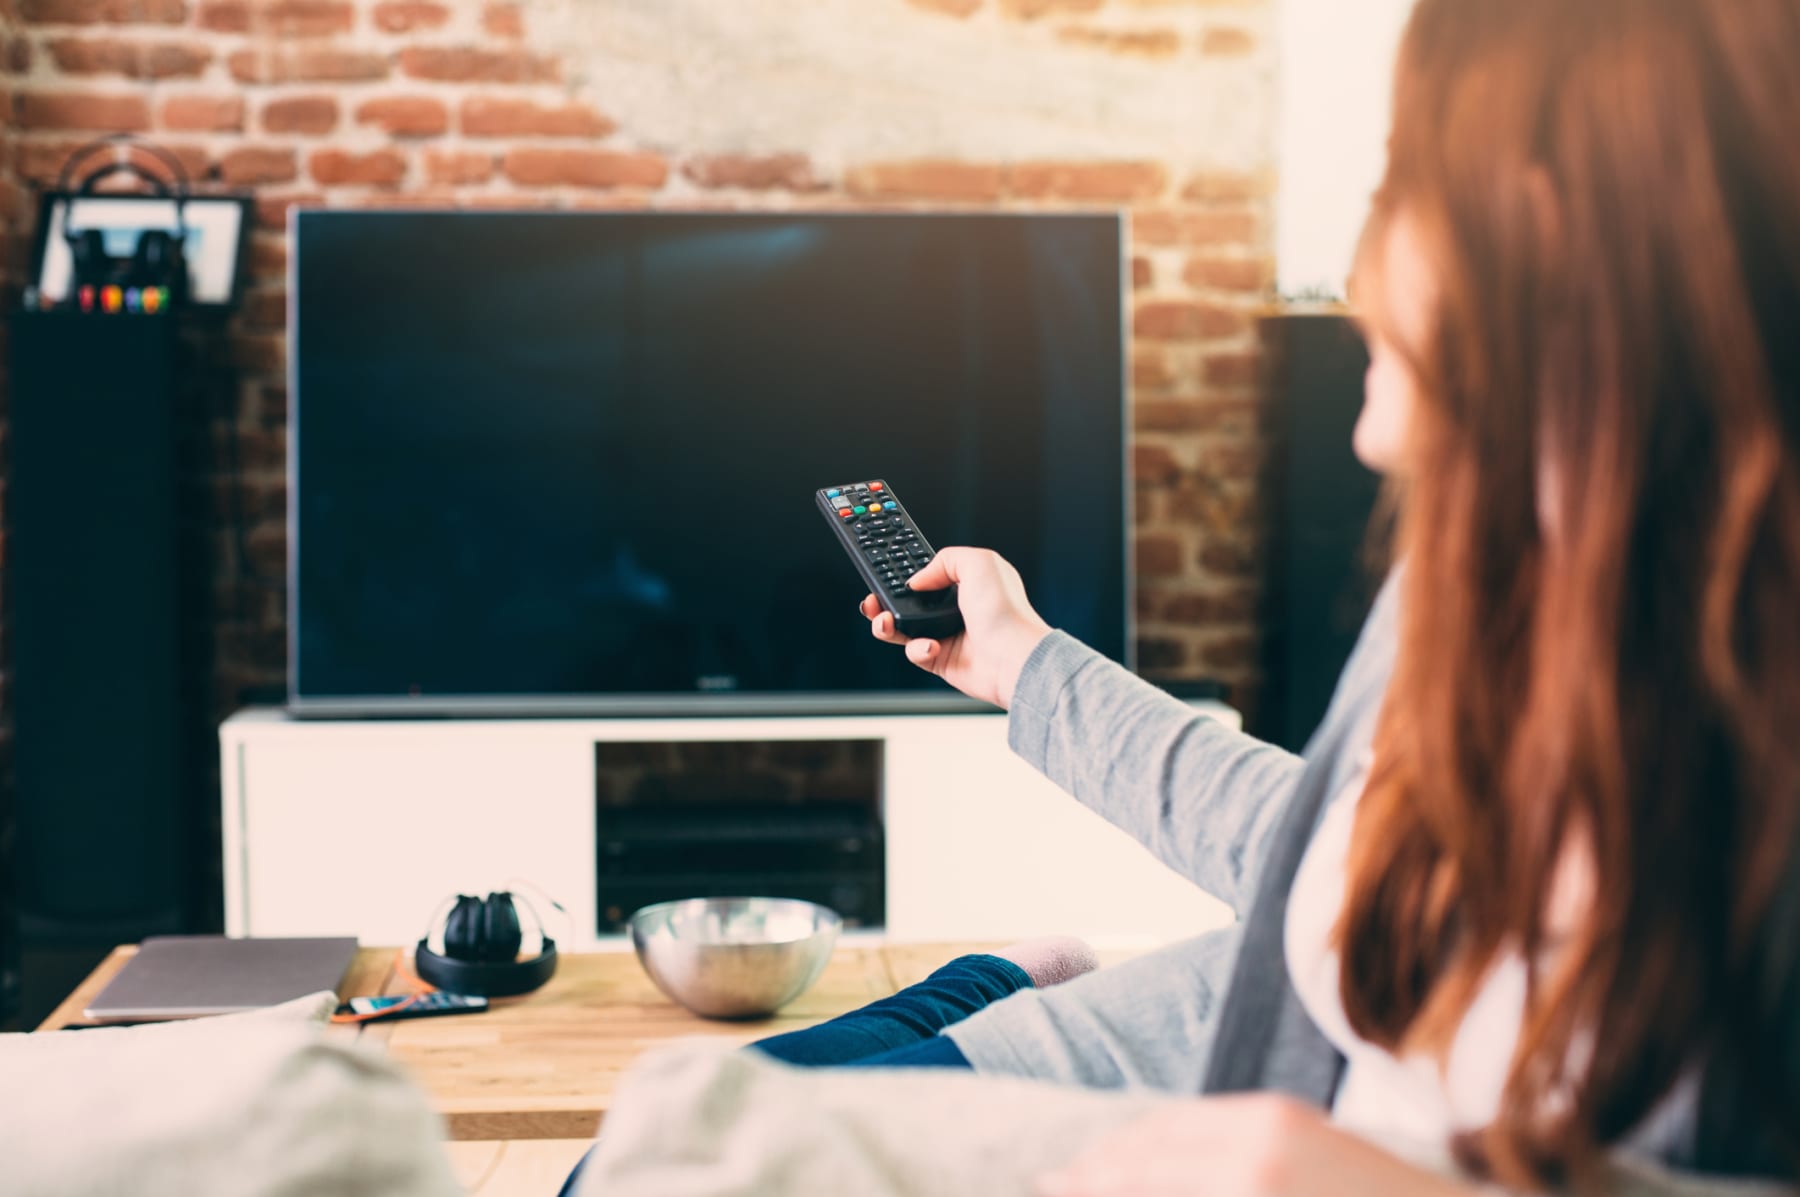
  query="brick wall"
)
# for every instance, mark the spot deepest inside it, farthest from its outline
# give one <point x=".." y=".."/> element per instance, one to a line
<point x="1164" y="107"/>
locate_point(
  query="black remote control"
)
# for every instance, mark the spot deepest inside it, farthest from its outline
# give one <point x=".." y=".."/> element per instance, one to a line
<point x="887" y="548"/>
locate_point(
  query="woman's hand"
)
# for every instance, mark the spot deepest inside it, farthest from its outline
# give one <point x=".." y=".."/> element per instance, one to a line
<point x="1255" y="1145"/>
<point x="999" y="627"/>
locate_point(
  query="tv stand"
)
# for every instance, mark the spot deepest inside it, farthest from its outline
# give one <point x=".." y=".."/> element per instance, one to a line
<point x="362" y="827"/>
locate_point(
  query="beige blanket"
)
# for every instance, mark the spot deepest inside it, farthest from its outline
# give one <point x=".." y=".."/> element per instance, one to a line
<point x="698" y="1120"/>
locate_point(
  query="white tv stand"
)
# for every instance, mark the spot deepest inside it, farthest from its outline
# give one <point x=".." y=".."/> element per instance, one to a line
<point x="361" y="827"/>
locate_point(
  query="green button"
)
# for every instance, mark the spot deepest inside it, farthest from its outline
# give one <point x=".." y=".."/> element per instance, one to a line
<point x="862" y="510"/>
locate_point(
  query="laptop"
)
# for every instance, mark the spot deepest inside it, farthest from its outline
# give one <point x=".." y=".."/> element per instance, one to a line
<point x="188" y="976"/>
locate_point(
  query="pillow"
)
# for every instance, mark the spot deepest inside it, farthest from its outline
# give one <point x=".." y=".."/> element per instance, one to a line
<point x="242" y="1104"/>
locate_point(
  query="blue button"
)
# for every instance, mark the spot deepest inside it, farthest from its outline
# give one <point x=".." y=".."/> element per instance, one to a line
<point x="833" y="493"/>
<point x="890" y="506"/>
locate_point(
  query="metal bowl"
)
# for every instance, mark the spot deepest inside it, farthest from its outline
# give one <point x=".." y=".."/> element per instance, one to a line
<point x="734" y="957"/>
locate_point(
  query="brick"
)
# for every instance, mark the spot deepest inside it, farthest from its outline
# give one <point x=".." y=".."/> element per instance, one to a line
<point x="258" y="165"/>
<point x="82" y="110"/>
<point x="308" y="64"/>
<point x="1159" y="654"/>
<point x="928" y="179"/>
<point x="406" y="199"/>
<point x="1150" y="367"/>
<point x="282" y="18"/>
<point x="1154" y="465"/>
<point x="265" y="310"/>
<point x="1228" y="558"/>
<point x="1168" y="226"/>
<point x="1158" y="555"/>
<point x="1229" y="652"/>
<point x="458" y="167"/>
<point x="1233" y="369"/>
<point x="1245" y="276"/>
<point x="1181" y="320"/>
<point x="503" y="20"/>
<point x="1143" y="274"/>
<point x="949" y="8"/>
<point x="203" y="114"/>
<point x="17" y="58"/>
<point x="1091" y="181"/>
<point x="308" y="116"/>
<point x="132" y="59"/>
<point x="378" y="168"/>
<point x="1227" y="43"/>
<point x="268" y="257"/>
<point x="1229" y="606"/>
<point x="771" y="172"/>
<point x="104" y="12"/>
<point x="1240" y="462"/>
<point x="1031" y="10"/>
<point x="405" y="116"/>
<point x="505" y="116"/>
<point x="260" y="353"/>
<point x="531" y="167"/>
<point x="1129" y="43"/>
<point x="473" y="64"/>
<point x="514" y="203"/>
<point x="272" y="210"/>
<point x="409" y="16"/>
<point x="1218" y="505"/>
<point x="1219" y="187"/>
<point x="1192" y="414"/>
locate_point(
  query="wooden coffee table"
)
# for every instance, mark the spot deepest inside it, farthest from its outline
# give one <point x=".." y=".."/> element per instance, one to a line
<point x="523" y="1087"/>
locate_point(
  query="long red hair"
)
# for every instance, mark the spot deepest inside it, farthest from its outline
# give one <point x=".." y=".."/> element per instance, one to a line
<point x="1600" y="529"/>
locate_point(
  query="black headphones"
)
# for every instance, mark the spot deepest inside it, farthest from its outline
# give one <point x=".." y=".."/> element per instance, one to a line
<point x="480" y="949"/>
<point x="159" y="257"/>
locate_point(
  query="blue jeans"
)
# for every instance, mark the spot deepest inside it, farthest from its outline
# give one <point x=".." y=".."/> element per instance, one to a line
<point x="901" y="1031"/>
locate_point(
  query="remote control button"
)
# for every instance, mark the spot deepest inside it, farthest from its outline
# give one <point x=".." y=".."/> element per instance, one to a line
<point x="890" y="505"/>
<point x="875" y="486"/>
<point x="840" y="501"/>
<point x="834" y="493"/>
<point x="847" y="514"/>
<point x="861" y="510"/>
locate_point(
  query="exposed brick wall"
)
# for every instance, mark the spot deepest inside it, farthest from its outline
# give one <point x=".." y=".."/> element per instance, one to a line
<point x="1164" y="107"/>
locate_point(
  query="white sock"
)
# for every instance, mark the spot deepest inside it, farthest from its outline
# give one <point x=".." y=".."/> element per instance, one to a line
<point x="1051" y="959"/>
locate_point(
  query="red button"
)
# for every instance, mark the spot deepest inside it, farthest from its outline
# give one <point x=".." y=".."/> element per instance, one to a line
<point x="874" y="486"/>
<point x="847" y="514"/>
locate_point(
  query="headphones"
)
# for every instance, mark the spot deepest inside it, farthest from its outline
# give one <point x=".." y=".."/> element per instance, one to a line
<point x="477" y="949"/>
<point x="159" y="257"/>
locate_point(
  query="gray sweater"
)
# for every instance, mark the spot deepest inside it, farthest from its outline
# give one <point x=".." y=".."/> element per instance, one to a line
<point x="1235" y="816"/>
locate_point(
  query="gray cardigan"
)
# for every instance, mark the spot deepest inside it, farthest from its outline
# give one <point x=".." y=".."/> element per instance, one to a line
<point x="1235" y="815"/>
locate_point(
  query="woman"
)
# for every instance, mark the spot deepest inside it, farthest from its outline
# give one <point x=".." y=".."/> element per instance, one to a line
<point x="1545" y="907"/>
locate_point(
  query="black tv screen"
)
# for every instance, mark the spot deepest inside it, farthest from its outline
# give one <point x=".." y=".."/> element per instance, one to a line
<point x="566" y="461"/>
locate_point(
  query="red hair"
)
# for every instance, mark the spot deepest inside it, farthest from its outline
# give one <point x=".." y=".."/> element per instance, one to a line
<point x="1600" y="523"/>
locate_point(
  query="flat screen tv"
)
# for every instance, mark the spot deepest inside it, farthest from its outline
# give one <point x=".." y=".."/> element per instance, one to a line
<point x="565" y="462"/>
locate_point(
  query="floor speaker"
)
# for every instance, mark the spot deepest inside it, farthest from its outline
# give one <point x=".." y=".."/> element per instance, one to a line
<point x="1320" y="582"/>
<point x="103" y="665"/>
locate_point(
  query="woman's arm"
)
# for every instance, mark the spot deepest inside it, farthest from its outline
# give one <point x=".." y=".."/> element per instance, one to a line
<point x="1198" y="794"/>
<point x="1266" y="1145"/>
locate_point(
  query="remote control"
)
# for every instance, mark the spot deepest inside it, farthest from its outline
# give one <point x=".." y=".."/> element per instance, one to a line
<point x="887" y="548"/>
<point x="380" y="1009"/>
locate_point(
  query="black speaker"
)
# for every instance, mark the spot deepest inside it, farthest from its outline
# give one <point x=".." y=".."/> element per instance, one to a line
<point x="104" y="688"/>
<point x="1319" y="585"/>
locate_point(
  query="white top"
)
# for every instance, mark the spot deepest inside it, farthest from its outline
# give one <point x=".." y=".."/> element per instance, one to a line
<point x="1410" y="1097"/>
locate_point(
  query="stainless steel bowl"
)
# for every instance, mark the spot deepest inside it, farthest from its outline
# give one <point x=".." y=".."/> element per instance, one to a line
<point x="734" y="957"/>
